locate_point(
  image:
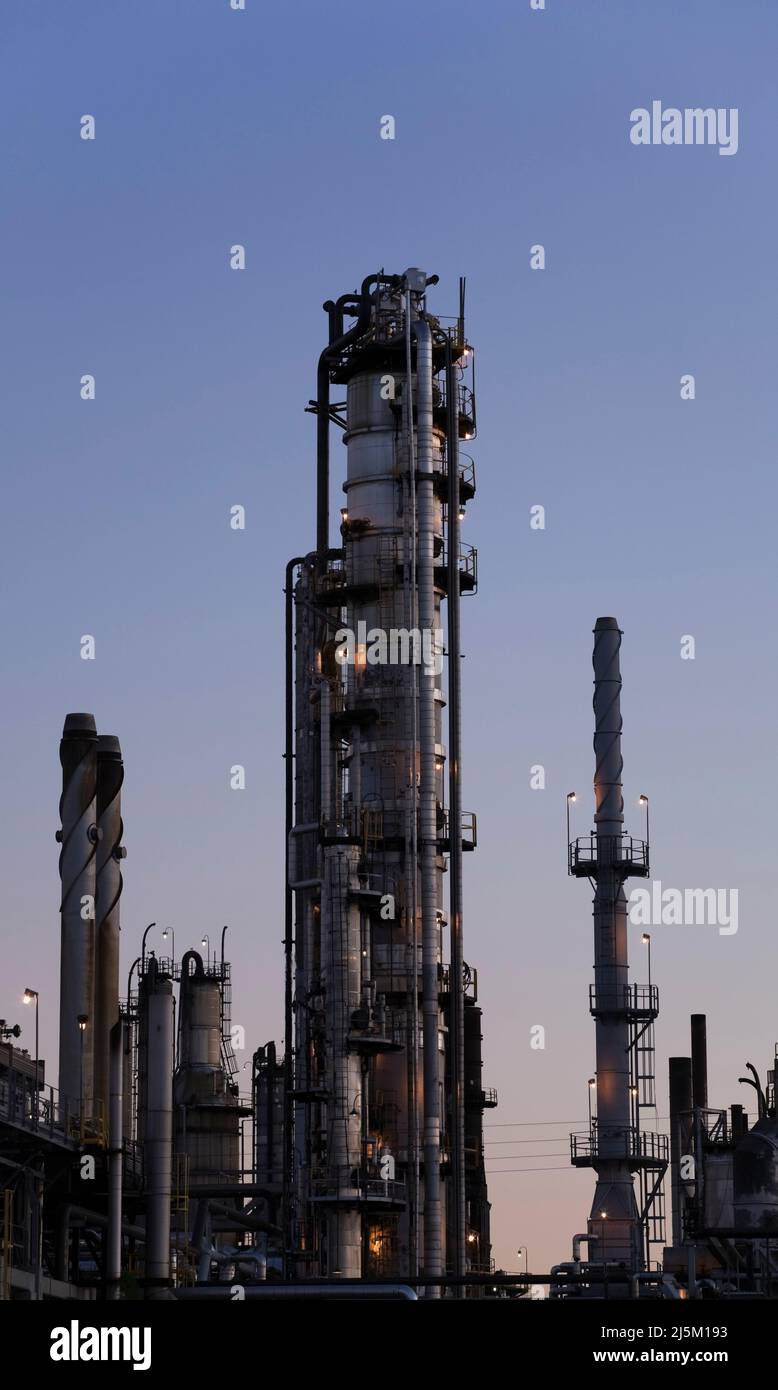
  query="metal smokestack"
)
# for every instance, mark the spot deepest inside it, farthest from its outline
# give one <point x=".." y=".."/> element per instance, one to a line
<point x="614" y="1194"/>
<point x="108" y="881"/>
<point x="680" y="1136"/>
<point x="699" y="1061"/>
<point x="78" y="837"/>
<point x="616" y="1146"/>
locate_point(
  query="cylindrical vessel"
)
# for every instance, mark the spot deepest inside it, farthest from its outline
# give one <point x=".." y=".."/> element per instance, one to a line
<point x="156" y="1042"/>
<point x="206" y="1112"/>
<point x="680" y="1137"/>
<point x="78" y="813"/>
<point x="115" y="1161"/>
<point x="756" y="1178"/>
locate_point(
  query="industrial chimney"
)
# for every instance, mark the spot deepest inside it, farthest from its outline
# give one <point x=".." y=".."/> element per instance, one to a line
<point x="615" y="1145"/>
<point x="78" y="837"/>
<point x="108" y="882"/>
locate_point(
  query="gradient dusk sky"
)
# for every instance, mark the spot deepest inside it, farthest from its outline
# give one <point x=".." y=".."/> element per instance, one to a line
<point x="261" y="127"/>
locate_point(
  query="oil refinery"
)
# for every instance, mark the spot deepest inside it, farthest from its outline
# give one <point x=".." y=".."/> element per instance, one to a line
<point x="352" y="1166"/>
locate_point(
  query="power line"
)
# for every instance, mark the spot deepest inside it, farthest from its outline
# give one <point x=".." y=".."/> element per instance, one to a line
<point x="497" y="1158"/>
<point x="538" y="1124"/>
<point x="547" y="1139"/>
<point x="565" y="1168"/>
<point x="532" y="1124"/>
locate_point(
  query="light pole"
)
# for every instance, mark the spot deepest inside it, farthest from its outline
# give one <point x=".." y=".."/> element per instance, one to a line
<point x="568" y="799"/>
<point x="143" y="948"/>
<point x="526" y="1257"/>
<point x="643" y="801"/>
<point x="646" y="939"/>
<point x="83" y="1019"/>
<point x="207" y="944"/>
<point x="170" y="931"/>
<point x="592" y="1085"/>
<point x="28" y="996"/>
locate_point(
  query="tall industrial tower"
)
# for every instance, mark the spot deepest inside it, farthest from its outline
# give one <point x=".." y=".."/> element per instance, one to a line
<point x="384" y="1101"/>
<point x="620" y="1230"/>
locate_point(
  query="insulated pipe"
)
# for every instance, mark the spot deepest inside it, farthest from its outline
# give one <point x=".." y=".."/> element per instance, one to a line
<point x="619" y="1229"/>
<point x="78" y="837"/>
<point x="108" y="883"/>
<point x="581" y="1239"/>
<point x="115" y="1161"/>
<point x="428" y="807"/>
<point x="680" y="1113"/>
<point x="157" y="1004"/>
<point x="455" y="822"/>
<point x="699" y="1061"/>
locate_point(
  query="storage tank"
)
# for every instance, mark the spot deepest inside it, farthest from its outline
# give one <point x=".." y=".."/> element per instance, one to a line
<point x="756" y="1178"/>
<point x="207" y="1113"/>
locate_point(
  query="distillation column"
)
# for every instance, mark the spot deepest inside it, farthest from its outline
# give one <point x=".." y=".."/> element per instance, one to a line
<point x="375" y="1082"/>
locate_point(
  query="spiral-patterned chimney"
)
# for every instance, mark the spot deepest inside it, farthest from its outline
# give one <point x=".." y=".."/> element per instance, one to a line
<point x="108" y="876"/>
<point x="78" y="837"/>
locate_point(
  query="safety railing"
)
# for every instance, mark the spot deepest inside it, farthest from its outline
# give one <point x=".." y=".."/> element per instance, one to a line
<point x="587" y="853"/>
<point x="638" y="1001"/>
<point x="637" y="1146"/>
<point x="468" y="830"/>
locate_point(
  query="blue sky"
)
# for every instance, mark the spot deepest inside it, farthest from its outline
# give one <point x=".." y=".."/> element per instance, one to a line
<point x="512" y="128"/>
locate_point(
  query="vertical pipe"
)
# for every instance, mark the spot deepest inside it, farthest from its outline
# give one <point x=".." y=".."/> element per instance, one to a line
<point x="341" y="924"/>
<point x="108" y="887"/>
<point x="289" y="778"/>
<point x="680" y="1111"/>
<point x="412" y="823"/>
<point x="158" y="1126"/>
<point x="78" y="837"/>
<point x="115" y="1160"/>
<point x="428" y="809"/>
<point x="699" y="1061"/>
<point x="325" y="709"/>
<point x="455" y="821"/>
